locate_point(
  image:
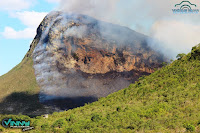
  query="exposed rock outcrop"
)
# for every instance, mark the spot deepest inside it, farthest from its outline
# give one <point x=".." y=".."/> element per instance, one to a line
<point x="78" y="56"/>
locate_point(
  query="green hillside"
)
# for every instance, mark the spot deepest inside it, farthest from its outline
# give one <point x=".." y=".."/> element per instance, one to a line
<point x="19" y="91"/>
<point x="166" y="101"/>
<point x="20" y="79"/>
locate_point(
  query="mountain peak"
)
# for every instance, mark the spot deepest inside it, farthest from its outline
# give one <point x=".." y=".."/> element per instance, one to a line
<point x="78" y="56"/>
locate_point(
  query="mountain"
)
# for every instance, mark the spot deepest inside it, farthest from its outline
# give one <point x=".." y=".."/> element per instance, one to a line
<point x="165" y="101"/>
<point x="75" y="59"/>
<point x="79" y="59"/>
<point x="168" y="100"/>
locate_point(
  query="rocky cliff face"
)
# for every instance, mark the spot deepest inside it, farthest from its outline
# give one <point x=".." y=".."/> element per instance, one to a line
<point x="78" y="57"/>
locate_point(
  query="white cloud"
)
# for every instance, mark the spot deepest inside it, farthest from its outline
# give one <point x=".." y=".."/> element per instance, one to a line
<point x="10" y="33"/>
<point x="175" y="36"/>
<point x="53" y="1"/>
<point x="30" y="19"/>
<point x="11" y="5"/>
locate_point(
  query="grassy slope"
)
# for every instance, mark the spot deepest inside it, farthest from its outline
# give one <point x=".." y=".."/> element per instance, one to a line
<point x="166" y="101"/>
<point x="19" y="91"/>
<point x="20" y="79"/>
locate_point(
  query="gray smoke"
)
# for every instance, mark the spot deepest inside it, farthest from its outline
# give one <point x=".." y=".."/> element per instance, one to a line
<point x="143" y="16"/>
<point x="172" y="34"/>
<point x="45" y="57"/>
<point x="56" y="74"/>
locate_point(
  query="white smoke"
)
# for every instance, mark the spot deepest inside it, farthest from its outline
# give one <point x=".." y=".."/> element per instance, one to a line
<point x="94" y="8"/>
<point x="173" y="30"/>
<point x="45" y="75"/>
<point x="174" y="33"/>
<point x="78" y="32"/>
<point x="55" y="84"/>
<point x="175" y="37"/>
<point x="54" y="60"/>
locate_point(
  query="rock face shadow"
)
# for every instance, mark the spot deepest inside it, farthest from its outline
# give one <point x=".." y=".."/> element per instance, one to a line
<point x="27" y="104"/>
<point x="22" y="103"/>
<point x="69" y="103"/>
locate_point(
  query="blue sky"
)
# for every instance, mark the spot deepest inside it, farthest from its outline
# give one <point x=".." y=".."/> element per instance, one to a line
<point x="19" y="19"/>
<point x="16" y="33"/>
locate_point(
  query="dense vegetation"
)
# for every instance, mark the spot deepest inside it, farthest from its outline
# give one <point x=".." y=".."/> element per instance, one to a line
<point x="166" y="101"/>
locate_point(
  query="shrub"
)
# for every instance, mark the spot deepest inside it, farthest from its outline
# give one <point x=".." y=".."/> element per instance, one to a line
<point x="180" y="56"/>
<point x="58" y="124"/>
<point x="44" y="126"/>
<point x="71" y="118"/>
<point x="38" y="117"/>
<point x="189" y="127"/>
<point x="95" y="117"/>
<point x="1" y="129"/>
<point x="35" y="123"/>
<point x="164" y="64"/>
<point x="119" y="109"/>
<point x="195" y="54"/>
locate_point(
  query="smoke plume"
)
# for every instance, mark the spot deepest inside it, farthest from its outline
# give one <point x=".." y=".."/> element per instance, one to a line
<point x="79" y="56"/>
<point x="55" y="59"/>
<point x="143" y="16"/>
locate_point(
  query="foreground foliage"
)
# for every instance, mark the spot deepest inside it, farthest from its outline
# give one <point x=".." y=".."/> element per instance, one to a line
<point x="166" y="101"/>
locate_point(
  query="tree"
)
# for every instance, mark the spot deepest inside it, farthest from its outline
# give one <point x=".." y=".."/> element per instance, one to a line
<point x="180" y="56"/>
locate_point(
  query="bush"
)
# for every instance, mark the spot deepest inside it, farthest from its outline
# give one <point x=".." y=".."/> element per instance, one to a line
<point x="35" y="123"/>
<point x="58" y="124"/>
<point x="195" y="54"/>
<point x="71" y="118"/>
<point x="164" y="64"/>
<point x="180" y="56"/>
<point x="119" y="109"/>
<point x="38" y="117"/>
<point x="45" y="127"/>
<point x="189" y="127"/>
<point x="95" y="117"/>
<point x="1" y="129"/>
